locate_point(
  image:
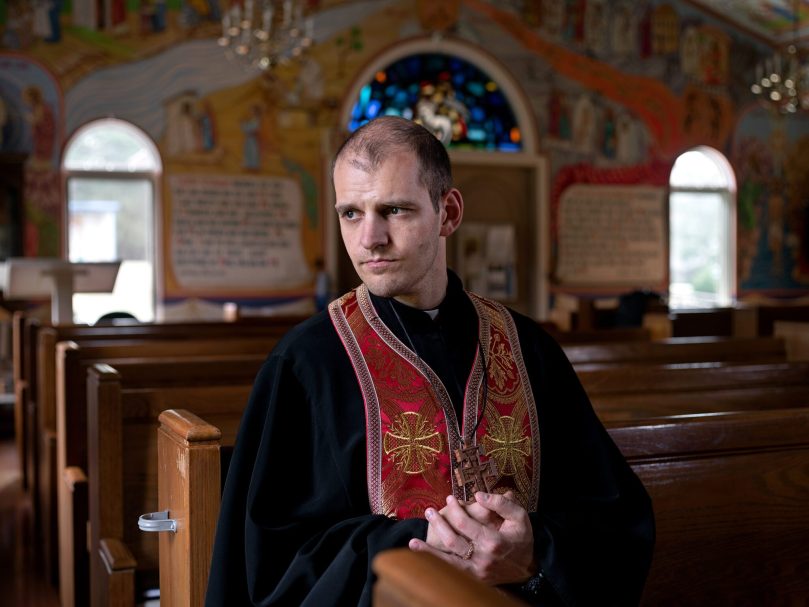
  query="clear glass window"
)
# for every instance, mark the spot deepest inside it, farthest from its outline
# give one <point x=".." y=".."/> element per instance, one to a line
<point x="701" y="245"/>
<point x="111" y="172"/>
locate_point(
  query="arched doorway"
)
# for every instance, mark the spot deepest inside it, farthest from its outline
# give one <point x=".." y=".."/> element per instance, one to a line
<point x="498" y="168"/>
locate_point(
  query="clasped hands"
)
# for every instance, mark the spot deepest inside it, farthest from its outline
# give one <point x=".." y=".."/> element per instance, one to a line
<point x="490" y="537"/>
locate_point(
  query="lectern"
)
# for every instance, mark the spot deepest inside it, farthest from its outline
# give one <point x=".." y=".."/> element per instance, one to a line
<point x="41" y="277"/>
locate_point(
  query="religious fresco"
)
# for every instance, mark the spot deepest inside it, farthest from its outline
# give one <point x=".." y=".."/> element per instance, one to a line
<point x="31" y="123"/>
<point x="771" y="162"/>
<point x="671" y="82"/>
<point x="618" y="90"/>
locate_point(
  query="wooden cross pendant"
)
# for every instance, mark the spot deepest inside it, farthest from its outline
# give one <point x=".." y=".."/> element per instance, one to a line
<point x="471" y="471"/>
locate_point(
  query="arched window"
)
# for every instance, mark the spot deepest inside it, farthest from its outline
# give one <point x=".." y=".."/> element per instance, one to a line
<point x="450" y="96"/>
<point x="111" y="170"/>
<point x="702" y="244"/>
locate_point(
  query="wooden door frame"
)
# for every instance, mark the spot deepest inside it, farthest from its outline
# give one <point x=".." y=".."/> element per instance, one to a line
<point x="530" y="158"/>
<point x="537" y="165"/>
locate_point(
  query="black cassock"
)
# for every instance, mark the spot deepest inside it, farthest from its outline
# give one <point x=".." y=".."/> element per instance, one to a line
<point x="296" y="526"/>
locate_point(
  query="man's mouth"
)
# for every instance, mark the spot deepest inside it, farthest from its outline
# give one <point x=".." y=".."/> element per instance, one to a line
<point x="378" y="264"/>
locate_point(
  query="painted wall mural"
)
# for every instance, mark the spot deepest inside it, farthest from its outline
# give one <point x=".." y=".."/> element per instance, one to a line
<point x="618" y="90"/>
<point x="31" y="123"/>
<point x="773" y="216"/>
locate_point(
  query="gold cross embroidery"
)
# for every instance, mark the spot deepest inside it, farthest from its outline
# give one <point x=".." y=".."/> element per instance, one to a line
<point x="412" y="442"/>
<point x="506" y="444"/>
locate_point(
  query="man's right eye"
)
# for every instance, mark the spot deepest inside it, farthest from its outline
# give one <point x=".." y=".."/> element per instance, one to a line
<point x="349" y="214"/>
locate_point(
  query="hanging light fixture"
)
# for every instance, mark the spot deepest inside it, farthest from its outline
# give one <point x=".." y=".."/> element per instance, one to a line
<point x="781" y="80"/>
<point x="267" y="32"/>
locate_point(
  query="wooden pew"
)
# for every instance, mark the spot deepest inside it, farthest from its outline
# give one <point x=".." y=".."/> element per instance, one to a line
<point x="730" y="492"/>
<point x="796" y="338"/>
<point x="731" y="496"/>
<point x="31" y="350"/>
<point x="767" y="315"/>
<point x="695" y="323"/>
<point x="641" y="391"/>
<point x="597" y="336"/>
<point x="731" y="499"/>
<point x="24" y="331"/>
<point x="189" y="473"/>
<point x="678" y="350"/>
<point x="34" y="356"/>
<point x="62" y="380"/>
<point x="123" y="408"/>
<point x="72" y="439"/>
<point x="419" y="579"/>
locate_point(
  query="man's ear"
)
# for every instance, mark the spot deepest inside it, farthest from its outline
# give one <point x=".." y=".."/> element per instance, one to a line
<point x="452" y="212"/>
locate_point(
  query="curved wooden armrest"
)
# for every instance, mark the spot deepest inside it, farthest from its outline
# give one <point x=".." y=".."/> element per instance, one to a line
<point x="423" y="580"/>
<point x="188" y="427"/>
<point x="73" y="475"/>
<point x="115" y="554"/>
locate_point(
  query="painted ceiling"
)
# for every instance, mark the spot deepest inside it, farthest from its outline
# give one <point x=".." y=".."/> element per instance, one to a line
<point x="772" y="20"/>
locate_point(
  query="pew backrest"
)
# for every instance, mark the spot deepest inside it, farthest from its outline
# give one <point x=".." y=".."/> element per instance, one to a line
<point x="640" y="391"/>
<point x="796" y="338"/>
<point x="731" y="499"/>
<point x="124" y="404"/>
<point x="730" y="493"/>
<point x="438" y="583"/>
<point x="195" y="369"/>
<point x="679" y="350"/>
<point x="189" y="491"/>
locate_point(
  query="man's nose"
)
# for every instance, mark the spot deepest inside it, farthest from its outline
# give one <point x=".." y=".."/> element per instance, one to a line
<point x="374" y="232"/>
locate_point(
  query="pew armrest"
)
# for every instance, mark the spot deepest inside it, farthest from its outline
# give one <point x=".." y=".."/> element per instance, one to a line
<point x="188" y="427"/>
<point x="115" y="555"/>
<point x="116" y="587"/>
<point x="439" y="583"/>
<point x="73" y="477"/>
<point x="72" y="535"/>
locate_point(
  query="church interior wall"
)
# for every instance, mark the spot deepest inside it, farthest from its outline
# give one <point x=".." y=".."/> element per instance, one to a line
<point x="617" y="89"/>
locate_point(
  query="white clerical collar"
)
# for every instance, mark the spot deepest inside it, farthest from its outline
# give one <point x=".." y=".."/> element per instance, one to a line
<point x="433" y="314"/>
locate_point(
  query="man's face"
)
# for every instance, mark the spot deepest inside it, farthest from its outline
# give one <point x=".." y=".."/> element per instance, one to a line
<point x="391" y="231"/>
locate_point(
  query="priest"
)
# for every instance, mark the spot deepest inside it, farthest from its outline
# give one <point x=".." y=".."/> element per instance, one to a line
<point x="359" y="431"/>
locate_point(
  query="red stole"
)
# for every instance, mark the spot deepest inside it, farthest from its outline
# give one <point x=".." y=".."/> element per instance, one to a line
<point x="411" y="426"/>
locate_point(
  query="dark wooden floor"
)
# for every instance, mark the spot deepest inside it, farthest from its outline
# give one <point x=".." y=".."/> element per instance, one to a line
<point x="22" y="582"/>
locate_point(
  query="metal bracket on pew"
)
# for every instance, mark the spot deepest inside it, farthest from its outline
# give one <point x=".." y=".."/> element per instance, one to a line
<point x="157" y="521"/>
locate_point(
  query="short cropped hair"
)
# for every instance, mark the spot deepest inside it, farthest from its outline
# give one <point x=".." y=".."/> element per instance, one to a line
<point x="371" y="144"/>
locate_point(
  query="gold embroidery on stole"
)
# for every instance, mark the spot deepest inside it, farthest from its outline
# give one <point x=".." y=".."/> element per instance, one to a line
<point x="416" y="446"/>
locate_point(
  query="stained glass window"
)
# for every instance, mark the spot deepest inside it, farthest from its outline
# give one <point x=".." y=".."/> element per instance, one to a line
<point x="458" y="102"/>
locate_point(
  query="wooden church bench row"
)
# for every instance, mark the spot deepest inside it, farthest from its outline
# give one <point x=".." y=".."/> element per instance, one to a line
<point x="696" y="378"/>
<point x="43" y="418"/>
<point x="731" y="496"/>
<point x="43" y="443"/>
<point x="758" y="320"/>
<point x="107" y="329"/>
<point x="641" y="391"/>
<point x="66" y="447"/>
<point x="730" y="492"/>
<point x="677" y="350"/>
<point x="23" y="333"/>
<point x="120" y="478"/>
<point x="62" y="379"/>
<point x="26" y="356"/>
